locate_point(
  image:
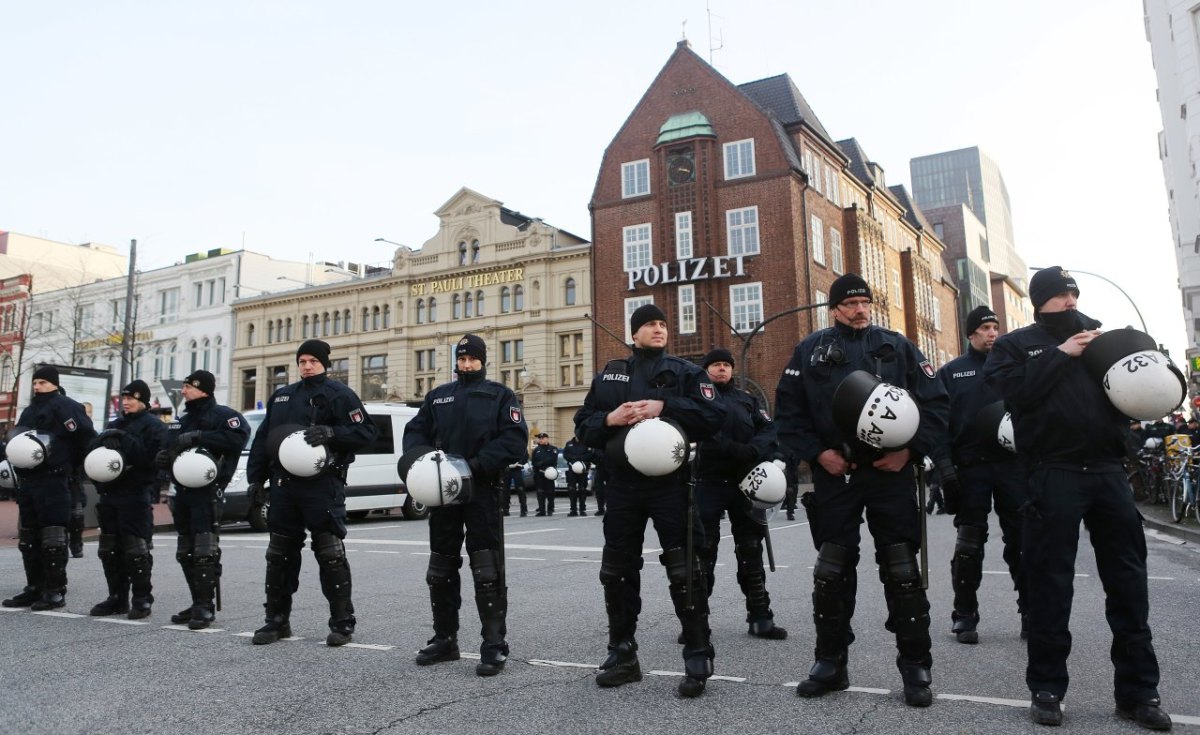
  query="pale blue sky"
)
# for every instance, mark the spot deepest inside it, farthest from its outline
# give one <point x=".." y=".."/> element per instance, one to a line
<point x="313" y="127"/>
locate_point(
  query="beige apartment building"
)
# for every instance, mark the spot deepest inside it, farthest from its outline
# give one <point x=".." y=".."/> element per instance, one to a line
<point x="521" y="284"/>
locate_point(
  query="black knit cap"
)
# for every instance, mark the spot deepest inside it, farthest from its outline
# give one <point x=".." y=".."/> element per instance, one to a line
<point x="848" y="286"/>
<point x="139" y="390"/>
<point x="316" y="348"/>
<point x="471" y="345"/>
<point x="718" y="355"/>
<point x="202" y="380"/>
<point x="48" y="373"/>
<point x="645" y="313"/>
<point x="978" y="316"/>
<point x="1050" y="282"/>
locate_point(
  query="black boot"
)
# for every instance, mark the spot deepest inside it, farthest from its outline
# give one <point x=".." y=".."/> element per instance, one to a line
<point x="833" y="589"/>
<point x="752" y="578"/>
<point x="138" y="565"/>
<point x="445" y="599"/>
<point x="620" y="575"/>
<point x="335" y="584"/>
<point x="113" y="563"/>
<point x="206" y="569"/>
<point x="966" y="574"/>
<point x="29" y="543"/>
<point x="491" y="599"/>
<point x="54" y="569"/>
<point x="282" y="580"/>
<point x="277" y="627"/>
<point x="184" y="547"/>
<point x="621" y="665"/>
<point x="908" y="619"/>
<point x="698" y="652"/>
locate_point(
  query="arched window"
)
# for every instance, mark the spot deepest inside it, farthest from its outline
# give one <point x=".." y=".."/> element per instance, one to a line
<point x="217" y="364"/>
<point x="325" y="324"/>
<point x="432" y="309"/>
<point x="468" y="305"/>
<point x="479" y="303"/>
<point x="366" y="319"/>
<point x="387" y="316"/>
<point x="375" y="323"/>
<point x="194" y="349"/>
<point x="420" y="311"/>
<point x="289" y="329"/>
<point x="137" y="364"/>
<point x="347" y="322"/>
<point x="569" y="296"/>
<point x="206" y="355"/>
<point x="462" y="253"/>
<point x="337" y="322"/>
<point x="505" y="300"/>
<point x="171" y="371"/>
<point x="304" y="327"/>
<point x="456" y="307"/>
<point x="474" y="251"/>
<point x="317" y="325"/>
<point x="158" y="363"/>
<point x="518" y="298"/>
<point x="270" y="332"/>
<point x="279" y="330"/>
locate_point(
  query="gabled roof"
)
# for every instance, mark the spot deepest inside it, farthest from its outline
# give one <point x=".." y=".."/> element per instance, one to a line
<point x="780" y="96"/>
<point x="914" y="216"/>
<point x="858" y="161"/>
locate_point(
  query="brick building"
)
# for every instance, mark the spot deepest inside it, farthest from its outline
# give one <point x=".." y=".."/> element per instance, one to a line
<point x="727" y="204"/>
<point x="14" y="315"/>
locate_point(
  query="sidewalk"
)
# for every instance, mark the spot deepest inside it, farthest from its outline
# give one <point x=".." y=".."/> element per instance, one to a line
<point x="1158" y="517"/>
<point x="8" y="522"/>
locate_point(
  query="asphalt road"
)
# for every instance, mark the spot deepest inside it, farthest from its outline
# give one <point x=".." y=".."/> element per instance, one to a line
<point x="68" y="673"/>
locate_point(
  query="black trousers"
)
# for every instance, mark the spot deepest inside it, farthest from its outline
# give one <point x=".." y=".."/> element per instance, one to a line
<point x="43" y="500"/>
<point x="126" y="513"/>
<point x="545" y="492"/>
<point x="478" y="521"/>
<point x="577" y="491"/>
<point x="196" y="510"/>
<point x="1002" y="483"/>
<point x="317" y="504"/>
<point x="1100" y="497"/>
<point x="714" y="497"/>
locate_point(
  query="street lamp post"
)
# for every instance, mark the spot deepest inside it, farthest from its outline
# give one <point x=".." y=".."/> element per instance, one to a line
<point x="1110" y="282"/>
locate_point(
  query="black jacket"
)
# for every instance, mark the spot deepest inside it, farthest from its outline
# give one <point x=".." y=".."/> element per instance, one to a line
<point x="963" y="379"/>
<point x="804" y="397"/>
<point x="746" y="438"/>
<point x="1060" y="414"/>
<point x="577" y="451"/>
<point x="142" y="436"/>
<point x="689" y="398"/>
<point x="223" y="432"/>
<point x="475" y="418"/>
<point x="543" y="457"/>
<point x="313" y="401"/>
<point x="68" y="428"/>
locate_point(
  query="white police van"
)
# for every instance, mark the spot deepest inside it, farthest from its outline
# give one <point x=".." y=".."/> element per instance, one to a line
<point x="371" y="483"/>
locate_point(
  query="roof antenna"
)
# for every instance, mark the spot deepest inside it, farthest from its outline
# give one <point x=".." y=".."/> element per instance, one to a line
<point x="684" y="34"/>
<point x="720" y="39"/>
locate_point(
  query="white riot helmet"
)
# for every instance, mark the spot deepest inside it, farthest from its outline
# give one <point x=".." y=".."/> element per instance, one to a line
<point x="103" y="464"/>
<point x="436" y="478"/>
<point x="655" y="447"/>
<point x="550" y="473"/>
<point x="301" y="459"/>
<point x="1139" y="380"/>
<point x="27" y="450"/>
<point x="194" y="468"/>
<point x="578" y="467"/>
<point x="994" y="422"/>
<point x="765" y="484"/>
<point x="8" y="478"/>
<point x="878" y="414"/>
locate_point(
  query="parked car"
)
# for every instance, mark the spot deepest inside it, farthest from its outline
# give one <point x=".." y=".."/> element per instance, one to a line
<point x="371" y="483"/>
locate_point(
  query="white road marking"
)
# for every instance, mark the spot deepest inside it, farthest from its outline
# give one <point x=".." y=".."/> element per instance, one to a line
<point x="986" y="700"/>
<point x="53" y="614"/>
<point x="121" y="621"/>
<point x="524" y="558"/>
<point x="250" y="634"/>
<point x="1160" y="536"/>
<point x="186" y="629"/>
<point x="377" y="551"/>
<point x="869" y="690"/>
<point x="714" y="677"/>
<point x="1185" y="720"/>
<point x="1163" y="579"/>
<point x="546" y="662"/>
<point x="540" y="530"/>
<point x="367" y="646"/>
<point x="12" y="609"/>
<point x="584" y="561"/>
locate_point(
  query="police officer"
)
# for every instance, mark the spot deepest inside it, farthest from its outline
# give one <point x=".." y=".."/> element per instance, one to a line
<point x="330" y="415"/>
<point x="124" y="512"/>
<point x="514" y="481"/>
<point x="480" y="420"/>
<point x="43" y="493"/>
<point x="577" y="482"/>
<point x="222" y="432"/>
<point x="1071" y="438"/>
<point x="848" y="477"/>
<point x="746" y="438"/>
<point x="986" y="473"/>
<point x="545" y="456"/>
<point x="649" y="383"/>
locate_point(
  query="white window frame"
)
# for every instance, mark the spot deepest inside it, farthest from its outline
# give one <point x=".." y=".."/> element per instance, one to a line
<point x="818" y="175"/>
<point x="631" y="305"/>
<point x="635" y="178"/>
<point x="739" y="294"/>
<point x="817" y="240"/>
<point x="638" y="250"/>
<point x="937" y="313"/>
<point x="897" y="291"/>
<point x="168" y="302"/>
<point x="683" y="235"/>
<point x="687" y="309"/>
<point x="837" y="259"/>
<point x="832" y="188"/>
<point x="820" y="297"/>
<point x="741" y="227"/>
<point x="739" y="159"/>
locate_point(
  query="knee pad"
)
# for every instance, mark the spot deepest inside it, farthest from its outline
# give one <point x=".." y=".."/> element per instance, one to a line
<point x="971" y="540"/>
<point x="485" y="566"/>
<point x="54" y="536"/>
<point x="184" y="546"/>
<point x="834" y="564"/>
<point x="329" y="549"/>
<point x="206" y="544"/>
<point x="134" y="546"/>
<point x="898" y="567"/>
<point x="27" y="539"/>
<point x="675" y="562"/>
<point x="443" y="568"/>
<point x="281" y="549"/>
<point x="614" y="565"/>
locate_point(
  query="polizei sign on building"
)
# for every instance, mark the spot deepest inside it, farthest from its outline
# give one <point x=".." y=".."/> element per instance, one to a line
<point x="688" y="270"/>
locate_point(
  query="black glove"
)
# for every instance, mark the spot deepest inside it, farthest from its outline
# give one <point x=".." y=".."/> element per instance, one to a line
<point x="187" y="440"/>
<point x="256" y="493"/>
<point x="743" y="454"/>
<point x="111" y="439"/>
<point x="162" y="460"/>
<point x="318" y="435"/>
<point x="950" y="485"/>
<point x="476" y="470"/>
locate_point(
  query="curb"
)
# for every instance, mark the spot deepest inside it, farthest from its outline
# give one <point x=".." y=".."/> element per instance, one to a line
<point x="1187" y="534"/>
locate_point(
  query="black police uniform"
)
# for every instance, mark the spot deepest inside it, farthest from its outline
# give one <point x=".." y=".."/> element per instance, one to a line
<point x="514" y="481"/>
<point x="691" y="400"/>
<point x="480" y="420"/>
<point x="44" y="497"/>
<point x="1072" y="439"/>
<point x="544" y="457"/>
<point x="986" y="472"/>
<point x="805" y="425"/>
<point x="316" y="503"/>
<point x="196" y="511"/>
<point x="577" y="482"/>
<point x="746" y="438"/>
<point x="124" y="513"/>
<point x="600" y="481"/>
